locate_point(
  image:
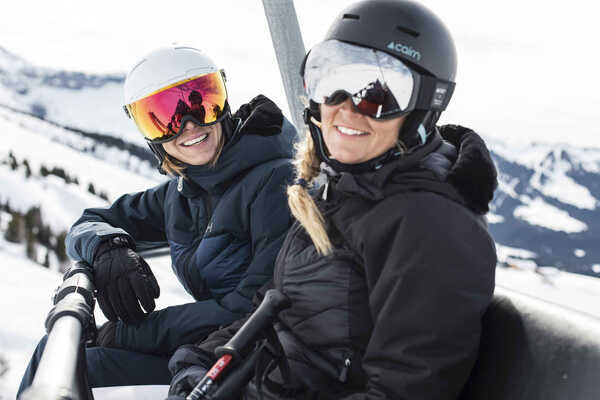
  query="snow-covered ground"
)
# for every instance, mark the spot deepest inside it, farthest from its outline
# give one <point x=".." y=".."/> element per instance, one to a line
<point x="25" y="298"/>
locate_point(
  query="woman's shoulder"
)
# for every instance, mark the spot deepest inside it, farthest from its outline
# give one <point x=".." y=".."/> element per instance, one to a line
<point x="423" y="214"/>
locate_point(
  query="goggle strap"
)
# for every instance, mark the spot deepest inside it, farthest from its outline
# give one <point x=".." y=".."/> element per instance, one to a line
<point x="435" y="94"/>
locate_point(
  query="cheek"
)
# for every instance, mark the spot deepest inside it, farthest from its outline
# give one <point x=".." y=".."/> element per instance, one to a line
<point x="326" y="122"/>
<point x="169" y="147"/>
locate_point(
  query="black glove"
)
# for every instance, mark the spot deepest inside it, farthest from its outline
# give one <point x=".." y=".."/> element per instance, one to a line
<point x="123" y="281"/>
<point x="106" y="334"/>
<point x="188" y="365"/>
<point x="186" y="380"/>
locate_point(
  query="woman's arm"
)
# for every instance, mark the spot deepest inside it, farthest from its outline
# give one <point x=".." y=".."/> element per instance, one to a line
<point x="189" y="323"/>
<point x="138" y="216"/>
<point x="430" y="275"/>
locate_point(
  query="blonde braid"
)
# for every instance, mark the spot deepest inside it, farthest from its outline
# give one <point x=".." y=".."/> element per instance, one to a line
<point x="300" y="201"/>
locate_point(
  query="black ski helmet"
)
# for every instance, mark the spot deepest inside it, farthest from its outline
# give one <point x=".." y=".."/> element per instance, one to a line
<point x="415" y="35"/>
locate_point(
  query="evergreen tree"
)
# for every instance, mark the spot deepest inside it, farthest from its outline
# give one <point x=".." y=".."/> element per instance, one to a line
<point x="44" y="171"/>
<point x="3" y="366"/>
<point x="30" y="245"/>
<point x="60" y="173"/>
<point x="33" y="219"/>
<point x="12" y="161"/>
<point x="44" y="236"/>
<point x="27" y="169"/>
<point x="15" y="232"/>
<point x="47" y="259"/>
<point x="7" y="207"/>
<point x="91" y="188"/>
<point x="61" y="250"/>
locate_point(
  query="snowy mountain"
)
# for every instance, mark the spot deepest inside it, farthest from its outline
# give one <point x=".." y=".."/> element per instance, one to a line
<point x="547" y="203"/>
<point x="72" y="99"/>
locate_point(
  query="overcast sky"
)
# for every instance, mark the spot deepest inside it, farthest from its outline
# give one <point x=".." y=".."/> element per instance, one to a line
<point x="527" y="70"/>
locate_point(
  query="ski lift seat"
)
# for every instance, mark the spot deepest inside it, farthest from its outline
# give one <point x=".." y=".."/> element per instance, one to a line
<point x="531" y="349"/>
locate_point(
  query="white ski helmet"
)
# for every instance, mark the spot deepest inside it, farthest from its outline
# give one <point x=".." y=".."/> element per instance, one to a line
<point x="164" y="67"/>
<point x="169" y="86"/>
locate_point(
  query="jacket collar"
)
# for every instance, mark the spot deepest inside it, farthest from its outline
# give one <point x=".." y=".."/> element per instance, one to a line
<point x="261" y="134"/>
<point x="470" y="178"/>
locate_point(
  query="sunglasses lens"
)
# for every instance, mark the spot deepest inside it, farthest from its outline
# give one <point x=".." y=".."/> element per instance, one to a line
<point x="159" y="116"/>
<point x="380" y="85"/>
<point x="336" y="98"/>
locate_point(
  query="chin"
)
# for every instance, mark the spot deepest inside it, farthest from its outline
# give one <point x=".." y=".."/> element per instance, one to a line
<point x="347" y="158"/>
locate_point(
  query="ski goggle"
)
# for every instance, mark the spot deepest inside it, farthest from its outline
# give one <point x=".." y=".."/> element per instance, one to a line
<point x="379" y="85"/>
<point x="161" y="115"/>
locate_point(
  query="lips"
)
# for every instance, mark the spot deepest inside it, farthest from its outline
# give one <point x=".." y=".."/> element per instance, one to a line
<point x="195" y="140"/>
<point x="344" y="130"/>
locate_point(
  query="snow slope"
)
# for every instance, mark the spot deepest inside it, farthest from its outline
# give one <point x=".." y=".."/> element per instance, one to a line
<point x="25" y="299"/>
<point x="46" y="145"/>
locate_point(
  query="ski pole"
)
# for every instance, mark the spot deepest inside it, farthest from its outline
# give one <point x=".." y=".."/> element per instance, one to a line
<point x="273" y="302"/>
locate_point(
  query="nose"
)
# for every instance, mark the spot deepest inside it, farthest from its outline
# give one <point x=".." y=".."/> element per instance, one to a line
<point x="189" y="125"/>
<point x="348" y="107"/>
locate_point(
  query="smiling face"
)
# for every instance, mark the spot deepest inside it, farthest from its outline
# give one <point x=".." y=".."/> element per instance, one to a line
<point x="197" y="144"/>
<point x="353" y="138"/>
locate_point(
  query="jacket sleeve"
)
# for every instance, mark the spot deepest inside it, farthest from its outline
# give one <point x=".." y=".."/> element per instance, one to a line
<point x="174" y="326"/>
<point x="430" y="277"/>
<point x="165" y="330"/>
<point x="270" y="220"/>
<point x="139" y="216"/>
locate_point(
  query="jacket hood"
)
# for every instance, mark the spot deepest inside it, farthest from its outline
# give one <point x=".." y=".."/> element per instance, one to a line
<point x="469" y="175"/>
<point x="261" y="134"/>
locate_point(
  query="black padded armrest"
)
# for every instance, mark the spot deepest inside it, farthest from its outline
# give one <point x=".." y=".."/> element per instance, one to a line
<point x="534" y="350"/>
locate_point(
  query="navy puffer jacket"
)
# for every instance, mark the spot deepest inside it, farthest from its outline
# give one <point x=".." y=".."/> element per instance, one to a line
<point x="224" y="225"/>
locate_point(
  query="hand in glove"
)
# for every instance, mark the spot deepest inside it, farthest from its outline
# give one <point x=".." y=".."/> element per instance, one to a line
<point x="186" y="380"/>
<point x="123" y="281"/>
<point x="188" y="365"/>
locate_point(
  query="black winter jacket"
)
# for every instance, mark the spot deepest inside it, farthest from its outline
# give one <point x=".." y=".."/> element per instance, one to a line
<point x="395" y="310"/>
<point x="224" y="226"/>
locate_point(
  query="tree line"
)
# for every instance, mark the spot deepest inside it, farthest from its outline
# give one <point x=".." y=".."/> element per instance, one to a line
<point x="28" y="227"/>
<point x="44" y="171"/>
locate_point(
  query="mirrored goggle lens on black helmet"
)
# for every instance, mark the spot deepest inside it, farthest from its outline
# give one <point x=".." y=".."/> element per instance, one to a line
<point x="161" y="115"/>
<point x="379" y="85"/>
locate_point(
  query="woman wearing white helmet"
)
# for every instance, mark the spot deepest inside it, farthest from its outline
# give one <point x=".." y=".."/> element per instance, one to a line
<point x="223" y="215"/>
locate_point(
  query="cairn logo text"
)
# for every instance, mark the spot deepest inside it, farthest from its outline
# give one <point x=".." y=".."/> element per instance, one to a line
<point x="406" y="50"/>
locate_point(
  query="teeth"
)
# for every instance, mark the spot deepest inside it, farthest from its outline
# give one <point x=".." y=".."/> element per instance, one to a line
<point x="349" y="131"/>
<point x="194" y="141"/>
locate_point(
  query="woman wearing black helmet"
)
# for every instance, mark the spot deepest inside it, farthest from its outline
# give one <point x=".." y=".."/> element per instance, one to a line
<point x="389" y="266"/>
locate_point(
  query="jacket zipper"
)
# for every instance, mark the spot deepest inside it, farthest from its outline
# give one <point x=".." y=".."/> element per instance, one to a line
<point x="186" y="263"/>
<point x="345" y="369"/>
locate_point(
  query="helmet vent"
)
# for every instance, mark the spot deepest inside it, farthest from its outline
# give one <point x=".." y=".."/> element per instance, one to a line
<point x="351" y="16"/>
<point x="408" y="31"/>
